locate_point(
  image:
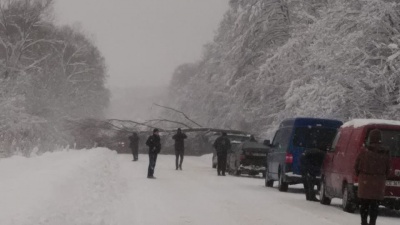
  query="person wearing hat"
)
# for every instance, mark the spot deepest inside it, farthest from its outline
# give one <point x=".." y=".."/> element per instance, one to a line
<point x="154" y="144"/>
<point x="372" y="167"/>
<point x="179" y="138"/>
<point x="222" y="145"/>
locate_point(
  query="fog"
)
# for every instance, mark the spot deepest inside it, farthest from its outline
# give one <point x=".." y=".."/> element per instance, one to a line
<point x="143" y="41"/>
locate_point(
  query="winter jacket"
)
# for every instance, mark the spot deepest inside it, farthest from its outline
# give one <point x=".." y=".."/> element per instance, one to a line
<point x="134" y="141"/>
<point x="179" y="141"/>
<point x="222" y="145"/>
<point x="154" y="143"/>
<point x="311" y="161"/>
<point x="372" y="167"/>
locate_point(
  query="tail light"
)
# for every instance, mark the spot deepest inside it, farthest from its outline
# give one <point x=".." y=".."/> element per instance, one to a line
<point x="289" y="158"/>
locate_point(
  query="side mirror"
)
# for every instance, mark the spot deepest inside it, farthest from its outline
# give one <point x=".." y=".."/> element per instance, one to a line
<point x="267" y="143"/>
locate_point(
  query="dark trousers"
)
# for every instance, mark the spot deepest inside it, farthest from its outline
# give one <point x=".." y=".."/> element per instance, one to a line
<point x="135" y="153"/>
<point x="221" y="163"/>
<point x="152" y="164"/>
<point x="369" y="208"/>
<point x="179" y="158"/>
<point x="309" y="183"/>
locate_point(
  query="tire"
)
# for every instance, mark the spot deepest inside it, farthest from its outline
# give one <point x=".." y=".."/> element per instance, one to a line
<point x="348" y="201"/>
<point x="214" y="166"/>
<point x="264" y="174"/>
<point x="323" y="199"/>
<point x="282" y="186"/>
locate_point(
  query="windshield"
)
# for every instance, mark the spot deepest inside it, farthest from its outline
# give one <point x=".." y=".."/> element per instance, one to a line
<point x="314" y="137"/>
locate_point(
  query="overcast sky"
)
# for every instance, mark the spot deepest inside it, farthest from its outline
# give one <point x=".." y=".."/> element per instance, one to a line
<point x="144" y="40"/>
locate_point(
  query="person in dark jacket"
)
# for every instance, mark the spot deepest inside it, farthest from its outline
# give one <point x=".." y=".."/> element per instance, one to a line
<point x="179" y="138"/>
<point x="154" y="144"/>
<point x="252" y="138"/>
<point x="372" y="167"/>
<point x="134" y="145"/>
<point x="310" y="164"/>
<point x="222" y="145"/>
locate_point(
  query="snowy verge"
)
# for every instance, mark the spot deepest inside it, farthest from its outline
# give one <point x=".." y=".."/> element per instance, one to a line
<point x="67" y="187"/>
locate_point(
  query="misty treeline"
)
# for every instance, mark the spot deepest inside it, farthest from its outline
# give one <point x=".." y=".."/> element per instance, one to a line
<point x="274" y="59"/>
<point x="48" y="75"/>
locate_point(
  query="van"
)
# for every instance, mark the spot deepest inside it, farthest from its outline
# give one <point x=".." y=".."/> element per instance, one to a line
<point x="292" y="138"/>
<point x="338" y="178"/>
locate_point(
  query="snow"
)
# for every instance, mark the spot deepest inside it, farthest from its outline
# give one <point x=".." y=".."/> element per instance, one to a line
<point x="99" y="187"/>
<point x="364" y="122"/>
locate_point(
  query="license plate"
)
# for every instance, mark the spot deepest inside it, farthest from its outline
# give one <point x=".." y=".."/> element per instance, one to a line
<point x="259" y="154"/>
<point x="392" y="183"/>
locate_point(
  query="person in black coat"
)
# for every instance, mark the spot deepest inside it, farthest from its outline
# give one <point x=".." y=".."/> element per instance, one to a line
<point x="154" y="144"/>
<point x="310" y="164"/>
<point x="134" y="145"/>
<point x="179" y="138"/>
<point x="222" y="145"/>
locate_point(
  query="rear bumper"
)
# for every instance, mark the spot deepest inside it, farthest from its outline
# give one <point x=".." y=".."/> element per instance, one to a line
<point x="252" y="169"/>
<point x="292" y="178"/>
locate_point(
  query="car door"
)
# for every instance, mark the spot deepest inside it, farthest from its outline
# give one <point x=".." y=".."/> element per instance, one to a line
<point x="328" y="164"/>
<point x="272" y="164"/>
<point x="280" y="146"/>
<point x="339" y="161"/>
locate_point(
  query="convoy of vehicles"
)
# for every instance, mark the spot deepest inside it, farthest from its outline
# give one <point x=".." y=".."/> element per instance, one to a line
<point x="280" y="160"/>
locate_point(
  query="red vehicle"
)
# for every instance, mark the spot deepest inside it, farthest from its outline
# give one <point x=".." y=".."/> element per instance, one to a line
<point x="338" y="178"/>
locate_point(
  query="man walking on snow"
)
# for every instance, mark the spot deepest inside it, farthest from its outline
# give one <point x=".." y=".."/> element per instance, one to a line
<point x="154" y="143"/>
<point x="179" y="138"/>
<point x="134" y="145"/>
<point x="222" y="145"/>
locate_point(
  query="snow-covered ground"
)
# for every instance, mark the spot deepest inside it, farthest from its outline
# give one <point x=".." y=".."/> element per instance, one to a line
<point x="99" y="187"/>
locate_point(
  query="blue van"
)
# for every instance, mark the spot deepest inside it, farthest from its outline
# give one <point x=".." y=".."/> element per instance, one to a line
<point x="292" y="138"/>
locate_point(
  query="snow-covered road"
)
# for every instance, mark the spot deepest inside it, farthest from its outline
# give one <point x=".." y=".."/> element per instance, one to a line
<point x="99" y="187"/>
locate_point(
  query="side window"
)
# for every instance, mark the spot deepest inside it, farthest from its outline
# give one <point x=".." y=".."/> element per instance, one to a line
<point x="335" y="142"/>
<point x="277" y="138"/>
<point x="282" y="139"/>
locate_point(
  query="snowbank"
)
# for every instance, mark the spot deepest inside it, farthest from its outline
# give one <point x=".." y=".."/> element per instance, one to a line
<point x="67" y="187"/>
<point x="364" y="122"/>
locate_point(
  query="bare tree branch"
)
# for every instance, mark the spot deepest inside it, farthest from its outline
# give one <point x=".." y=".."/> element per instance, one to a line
<point x="165" y="107"/>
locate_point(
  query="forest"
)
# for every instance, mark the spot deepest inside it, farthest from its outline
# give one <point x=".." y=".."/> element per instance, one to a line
<point x="49" y="75"/>
<point x="276" y="59"/>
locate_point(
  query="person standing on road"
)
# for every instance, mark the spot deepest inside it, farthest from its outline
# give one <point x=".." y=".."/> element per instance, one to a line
<point x="310" y="164"/>
<point x="252" y="139"/>
<point x="179" y="138"/>
<point x="372" y="167"/>
<point x="154" y="144"/>
<point x="222" y="145"/>
<point x="134" y="145"/>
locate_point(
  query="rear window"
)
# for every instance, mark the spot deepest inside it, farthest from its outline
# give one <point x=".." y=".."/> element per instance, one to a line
<point x="314" y="137"/>
<point x="391" y="140"/>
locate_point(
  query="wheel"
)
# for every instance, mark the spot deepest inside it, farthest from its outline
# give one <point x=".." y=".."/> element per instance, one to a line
<point x="348" y="201"/>
<point x="214" y="166"/>
<point x="282" y="186"/>
<point x="264" y="174"/>
<point x="323" y="199"/>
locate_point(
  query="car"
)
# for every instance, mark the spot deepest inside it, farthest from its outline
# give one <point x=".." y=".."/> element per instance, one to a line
<point x="247" y="158"/>
<point x="292" y="138"/>
<point x="235" y="139"/>
<point x="338" y="178"/>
